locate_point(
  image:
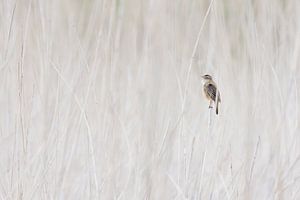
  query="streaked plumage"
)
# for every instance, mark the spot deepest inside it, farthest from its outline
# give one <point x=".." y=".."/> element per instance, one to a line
<point x="210" y="91"/>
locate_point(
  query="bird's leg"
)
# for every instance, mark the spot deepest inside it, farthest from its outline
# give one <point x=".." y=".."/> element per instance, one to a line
<point x="210" y="104"/>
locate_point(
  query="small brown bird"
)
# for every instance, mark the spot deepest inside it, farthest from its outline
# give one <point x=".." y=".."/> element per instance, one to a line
<point x="210" y="91"/>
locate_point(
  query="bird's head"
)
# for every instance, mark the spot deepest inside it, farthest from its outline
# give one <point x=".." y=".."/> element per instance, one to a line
<point x="207" y="77"/>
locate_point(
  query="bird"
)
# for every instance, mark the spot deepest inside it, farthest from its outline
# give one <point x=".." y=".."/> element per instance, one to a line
<point x="210" y="91"/>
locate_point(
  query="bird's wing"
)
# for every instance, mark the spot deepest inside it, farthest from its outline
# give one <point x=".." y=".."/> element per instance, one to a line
<point x="211" y="90"/>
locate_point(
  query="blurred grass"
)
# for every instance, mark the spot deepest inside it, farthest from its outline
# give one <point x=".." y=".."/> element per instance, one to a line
<point x="99" y="102"/>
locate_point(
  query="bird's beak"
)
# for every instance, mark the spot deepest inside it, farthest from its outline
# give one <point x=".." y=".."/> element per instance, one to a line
<point x="202" y="76"/>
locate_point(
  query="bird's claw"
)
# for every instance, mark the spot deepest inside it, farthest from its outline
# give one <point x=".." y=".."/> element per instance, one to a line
<point x="210" y="107"/>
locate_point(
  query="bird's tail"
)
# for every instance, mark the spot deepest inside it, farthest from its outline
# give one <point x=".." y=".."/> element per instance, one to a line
<point x="217" y="108"/>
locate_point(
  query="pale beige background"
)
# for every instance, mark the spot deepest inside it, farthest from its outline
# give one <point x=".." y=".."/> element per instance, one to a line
<point x="103" y="99"/>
